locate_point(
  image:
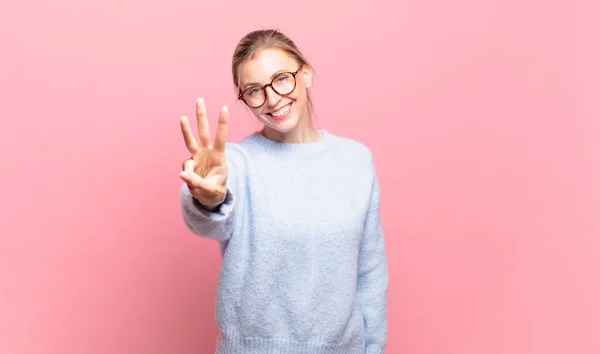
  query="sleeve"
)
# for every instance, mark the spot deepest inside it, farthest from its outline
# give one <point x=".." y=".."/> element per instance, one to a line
<point x="373" y="279"/>
<point x="215" y="224"/>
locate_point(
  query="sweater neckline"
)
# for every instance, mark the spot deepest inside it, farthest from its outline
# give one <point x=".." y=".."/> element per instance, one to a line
<point x="313" y="147"/>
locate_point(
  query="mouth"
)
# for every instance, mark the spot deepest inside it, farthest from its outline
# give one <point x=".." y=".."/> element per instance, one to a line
<point x="281" y="113"/>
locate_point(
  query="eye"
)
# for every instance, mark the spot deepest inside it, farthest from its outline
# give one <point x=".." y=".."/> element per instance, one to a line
<point x="282" y="78"/>
<point x="254" y="91"/>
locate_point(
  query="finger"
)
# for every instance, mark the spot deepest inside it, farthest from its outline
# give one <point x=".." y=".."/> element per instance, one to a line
<point x="203" y="132"/>
<point x="188" y="137"/>
<point x="221" y="134"/>
<point x="193" y="180"/>
<point x="188" y="165"/>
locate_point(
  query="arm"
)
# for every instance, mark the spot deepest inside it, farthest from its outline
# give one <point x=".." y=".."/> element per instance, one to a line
<point x="372" y="287"/>
<point x="211" y="223"/>
<point x="216" y="223"/>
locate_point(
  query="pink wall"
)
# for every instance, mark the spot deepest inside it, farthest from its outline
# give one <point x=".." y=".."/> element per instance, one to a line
<point x="484" y="118"/>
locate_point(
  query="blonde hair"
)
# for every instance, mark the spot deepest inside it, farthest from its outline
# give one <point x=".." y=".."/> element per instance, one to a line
<point x="256" y="41"/>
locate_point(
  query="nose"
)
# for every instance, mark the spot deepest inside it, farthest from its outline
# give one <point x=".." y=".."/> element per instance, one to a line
<point x="271" y="96"/>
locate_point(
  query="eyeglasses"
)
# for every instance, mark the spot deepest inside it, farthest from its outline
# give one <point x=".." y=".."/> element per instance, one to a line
<point x="283" y="84"/>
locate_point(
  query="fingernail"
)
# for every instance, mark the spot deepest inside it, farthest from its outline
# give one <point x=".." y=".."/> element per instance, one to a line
<point x="185" y="174"/>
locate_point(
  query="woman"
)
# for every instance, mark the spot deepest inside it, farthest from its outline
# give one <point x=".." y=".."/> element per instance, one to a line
<point x="296" y="212"/>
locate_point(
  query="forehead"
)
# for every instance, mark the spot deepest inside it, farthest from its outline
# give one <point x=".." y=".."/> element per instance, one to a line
<point x="267" y="62"/>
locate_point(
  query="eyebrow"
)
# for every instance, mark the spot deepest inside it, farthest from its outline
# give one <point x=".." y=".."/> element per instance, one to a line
<point x="259" y="84"/>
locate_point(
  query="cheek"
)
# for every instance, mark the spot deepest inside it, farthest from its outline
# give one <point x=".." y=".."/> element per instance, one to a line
<point x="299" y="93"/>
<point x="257" y="112"/>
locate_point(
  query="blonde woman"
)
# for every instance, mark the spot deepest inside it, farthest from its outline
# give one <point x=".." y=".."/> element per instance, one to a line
<point x="296" y="213"/>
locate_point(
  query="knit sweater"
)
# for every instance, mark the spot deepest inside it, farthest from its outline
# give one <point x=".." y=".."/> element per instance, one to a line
<point x="304" y="267"/>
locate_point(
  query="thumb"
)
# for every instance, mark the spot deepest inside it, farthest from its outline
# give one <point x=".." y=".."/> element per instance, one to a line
<point x="192" y="179"/>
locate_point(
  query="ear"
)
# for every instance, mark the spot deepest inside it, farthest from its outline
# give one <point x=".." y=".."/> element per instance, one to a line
<point x="308" y="76"/>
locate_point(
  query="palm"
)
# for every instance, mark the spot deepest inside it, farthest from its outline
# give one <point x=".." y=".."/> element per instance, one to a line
<point x="206" y="171"/>
<point x="210" y="164"/>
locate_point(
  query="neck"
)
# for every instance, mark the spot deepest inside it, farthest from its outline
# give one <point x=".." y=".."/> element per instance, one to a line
<point x="302" y="134"/>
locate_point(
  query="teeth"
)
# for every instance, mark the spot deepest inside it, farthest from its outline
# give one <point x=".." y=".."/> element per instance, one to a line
<point x="282" y="111"/>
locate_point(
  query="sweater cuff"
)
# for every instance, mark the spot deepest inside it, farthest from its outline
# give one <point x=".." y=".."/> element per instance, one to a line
<point x="202" y="207"/>
<point x="374" y="349"/>
<point x="220" y="213"/>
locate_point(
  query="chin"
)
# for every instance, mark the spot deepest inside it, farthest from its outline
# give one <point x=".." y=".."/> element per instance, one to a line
<point x="284" y="126"/>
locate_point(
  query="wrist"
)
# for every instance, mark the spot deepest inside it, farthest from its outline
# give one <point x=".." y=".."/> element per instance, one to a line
<point x="207" y="207"/>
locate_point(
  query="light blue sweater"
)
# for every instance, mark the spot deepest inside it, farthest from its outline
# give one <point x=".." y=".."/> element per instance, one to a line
<point x="304" y="263"/>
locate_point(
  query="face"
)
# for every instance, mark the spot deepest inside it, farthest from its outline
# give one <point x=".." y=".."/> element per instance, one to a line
<point x="283" y="113"/>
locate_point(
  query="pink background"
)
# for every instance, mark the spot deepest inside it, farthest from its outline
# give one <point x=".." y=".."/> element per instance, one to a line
<point x="483" y="116"/>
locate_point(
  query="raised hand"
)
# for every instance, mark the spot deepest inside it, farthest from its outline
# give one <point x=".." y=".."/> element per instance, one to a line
<point x="205" y="172"/>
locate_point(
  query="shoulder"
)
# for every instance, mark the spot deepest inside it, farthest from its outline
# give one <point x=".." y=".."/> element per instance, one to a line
<point x="242" y="152"/>
<point x="237" y="155"/>
<point x="354" y="150"/>
<point x="360" y="159"/>
<point x="354" y="146"/>
<point x="239" y="149"/>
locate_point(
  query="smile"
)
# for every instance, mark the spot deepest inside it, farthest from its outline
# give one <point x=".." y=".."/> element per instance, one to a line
<point x="282" y="111"/>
